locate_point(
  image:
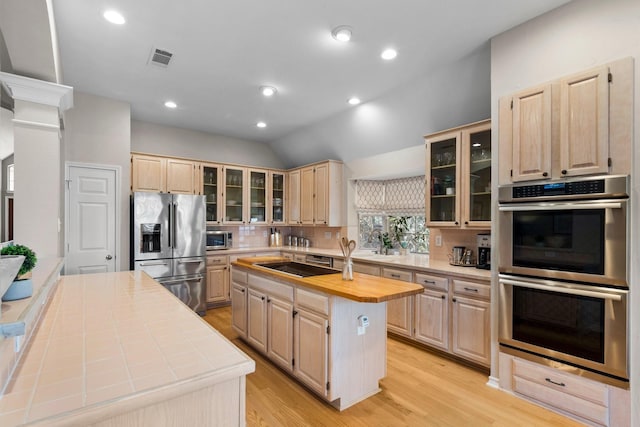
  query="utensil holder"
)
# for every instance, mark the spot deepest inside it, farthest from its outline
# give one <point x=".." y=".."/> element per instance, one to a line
<point x="347" y="269"/>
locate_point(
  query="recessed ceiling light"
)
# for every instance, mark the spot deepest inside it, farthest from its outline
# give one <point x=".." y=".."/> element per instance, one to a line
<point x="341" y="33"/>
<point x="114" y="17"/>
<point x="354" y="100"/>
<point x="476" y="144"/>
<point x="268" y="90"/>
<point x="261" y="124"/>
<point x="388" y="54"/>
<point x="170" y="104"/>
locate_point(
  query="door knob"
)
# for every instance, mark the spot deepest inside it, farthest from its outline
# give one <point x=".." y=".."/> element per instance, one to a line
<point x="108" y="257"/>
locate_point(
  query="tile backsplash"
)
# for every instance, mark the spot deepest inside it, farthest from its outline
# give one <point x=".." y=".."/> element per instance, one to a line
<point x="247" y="236"/>
<point x="451" y="238"/>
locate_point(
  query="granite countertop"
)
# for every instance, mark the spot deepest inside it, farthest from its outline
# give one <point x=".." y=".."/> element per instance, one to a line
<point x="418" y="262"/>
<point x="363" y="287"/>
<point x="109" y="342"/>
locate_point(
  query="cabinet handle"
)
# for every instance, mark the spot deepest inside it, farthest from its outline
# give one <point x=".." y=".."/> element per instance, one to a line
<point x="268" y="299"/>
<point x="454" y="300"/>
<point x="457" y="223"/>
<point x="262" y="298"/>
<point x="563" y="171"/>
<point x="545" y="174"/>
<point x="443" y="297"/>
<point x="242" y="291"/>
<point x="294" y="313"/>
<point x="466" y="222"/>
<point x="396" y="276"/>
<point x="470" y="289"/>
<point x="433" y="282"/>
<point x="549" y="380"/>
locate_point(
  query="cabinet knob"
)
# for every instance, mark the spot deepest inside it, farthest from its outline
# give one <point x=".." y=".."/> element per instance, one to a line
<point x="466" y="223"/>
<point x="545" y="174"/>
<point x="457" y="223"/>
<point x="443" y="297"/>
<point x="262" y="298"/>
<point x="268" y="299"/>
<point x="242" y="291"/>
<point x="563" y="171"/>
<point x="453" y="299"/>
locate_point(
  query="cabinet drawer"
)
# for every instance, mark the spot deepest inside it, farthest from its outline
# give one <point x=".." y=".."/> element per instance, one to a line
<point x="462" y="287"/>
<point x="239" y="276"/>
<point x="217" y="260"/>
<point x="312" y="301"/>
<point x="390" y="273"/>
<point x="433" y="282"/>
<point x="338" y="264"/>
<point x="271" y="287"/>
<point x="374" y="270"/>
<point x="566" y="402"/>
<point x="583" y="388"/>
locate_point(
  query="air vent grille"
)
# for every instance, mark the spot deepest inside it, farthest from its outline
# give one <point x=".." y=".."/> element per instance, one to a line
<point x="161" y="57"/>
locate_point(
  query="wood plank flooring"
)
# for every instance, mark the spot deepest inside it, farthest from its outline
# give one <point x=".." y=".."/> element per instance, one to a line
<point x="420" y="389"/>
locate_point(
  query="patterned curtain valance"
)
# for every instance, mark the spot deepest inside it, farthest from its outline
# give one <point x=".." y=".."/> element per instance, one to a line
<point x="399" y="197"/>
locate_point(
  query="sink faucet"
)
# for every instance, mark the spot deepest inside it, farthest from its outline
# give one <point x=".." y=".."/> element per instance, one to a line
<point x="377" y="234"/>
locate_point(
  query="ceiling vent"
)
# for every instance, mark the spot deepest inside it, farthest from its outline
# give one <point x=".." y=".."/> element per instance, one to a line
<point x="160" y="57"/>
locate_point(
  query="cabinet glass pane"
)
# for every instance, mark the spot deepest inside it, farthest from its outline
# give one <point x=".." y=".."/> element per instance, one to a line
<point x="258" y="198"/>
<point x="210" y="191"/>
<point x="443" y="180"/>
<point x="480" y="176"/>
<point x="233" y="194"/>
<point x="277" y="194"/>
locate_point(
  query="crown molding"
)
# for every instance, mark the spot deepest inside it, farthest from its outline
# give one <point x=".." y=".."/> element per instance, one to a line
<point x="38" y="91"/>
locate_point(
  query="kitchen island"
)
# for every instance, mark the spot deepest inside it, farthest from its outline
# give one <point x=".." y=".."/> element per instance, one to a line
<point x="328" y="333"/>
<point x="119" y="349"/>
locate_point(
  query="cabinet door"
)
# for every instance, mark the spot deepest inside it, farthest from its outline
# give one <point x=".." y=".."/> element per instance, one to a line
<point x="584" y="123"/>
<point x="432" y="319"/>
<point x="217" y="284"/>
<point x="306" y="196"/>
<point x="471" y="329"/>
<point x="532" y="134"/>
<point x="476" y="186"/>
<point x="310" y="350"/>
<point x="212" y="191"/>
<point x="257" y="196"/>
<point x="233" y="195"/>
<point x="180" y="176"/>
<point x="148" y="173"/>
<point x="321" y="194"/>
<point x="239" y="309"/>
<point x="257" y="320"/>
<point x="293" y="203"/>
<point x="280" y="334"/>
<point x="399" y="311"/>
<point x="442" y="203"/>
<point x="276" y="201"/>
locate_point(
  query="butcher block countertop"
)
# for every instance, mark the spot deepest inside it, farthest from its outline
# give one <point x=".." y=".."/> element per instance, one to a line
<point x="363" y="287"/>
<point x="117" y="345"/>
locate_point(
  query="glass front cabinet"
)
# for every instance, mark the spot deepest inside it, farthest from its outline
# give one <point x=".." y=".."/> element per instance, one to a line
<point x="276" y="213"/>
<point x="459" y="177"/>
<point x="233" y="195"/>
<point x="257" y="196"/>
<point x="212" y="191"/>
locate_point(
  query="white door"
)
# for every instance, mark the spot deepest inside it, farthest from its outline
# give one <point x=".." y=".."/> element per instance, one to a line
<point x="91" y="219"/>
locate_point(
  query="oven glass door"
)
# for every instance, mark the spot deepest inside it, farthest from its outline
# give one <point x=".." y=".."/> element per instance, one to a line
<point x="568" y="240"/>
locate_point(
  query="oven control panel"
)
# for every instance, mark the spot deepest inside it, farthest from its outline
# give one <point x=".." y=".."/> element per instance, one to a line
<point x="559" y="189"/>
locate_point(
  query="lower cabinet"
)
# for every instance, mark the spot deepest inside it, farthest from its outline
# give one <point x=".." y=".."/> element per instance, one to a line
<point x="218" y="286"/>
<point x="257" y="319"/>
<point x="280" y="331"/>
<point x="310" y="351"/>
<point x="239" y="302"/>
<point x="432" y="319"/>
<point x="588" y="401"/>
<point x="400" y="311"/>
<point x="470" y="321"/>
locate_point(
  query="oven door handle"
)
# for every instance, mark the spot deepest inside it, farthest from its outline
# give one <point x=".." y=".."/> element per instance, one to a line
<point x="562" y="289"/>
<point x="560" y="206"/>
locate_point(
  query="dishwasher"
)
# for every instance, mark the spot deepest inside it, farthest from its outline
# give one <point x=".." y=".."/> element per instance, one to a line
<point x="324" y="261"/>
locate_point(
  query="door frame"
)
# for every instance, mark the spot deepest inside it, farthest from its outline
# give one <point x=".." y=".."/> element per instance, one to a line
<point x="117" y="193"/>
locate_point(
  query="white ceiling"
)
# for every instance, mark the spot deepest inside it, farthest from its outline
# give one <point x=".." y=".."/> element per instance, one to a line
<point x="224" y="50"/>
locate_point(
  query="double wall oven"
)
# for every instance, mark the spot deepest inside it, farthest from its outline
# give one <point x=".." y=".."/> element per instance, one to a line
<point x="563" y="278"/>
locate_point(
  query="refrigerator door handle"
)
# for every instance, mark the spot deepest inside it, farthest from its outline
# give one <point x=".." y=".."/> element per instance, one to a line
<point x="170" y="222"/>
<point x="175" y="220"/>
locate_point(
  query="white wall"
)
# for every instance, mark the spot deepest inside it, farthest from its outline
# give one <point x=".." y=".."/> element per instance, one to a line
<point x="578" y="36"/>
<point x="444" y="98"/>
<point x="171" y="141"/>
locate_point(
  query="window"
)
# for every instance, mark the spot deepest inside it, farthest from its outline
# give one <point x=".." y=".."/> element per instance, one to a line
<point x="407" y="232"/>
<point x="10" y="181"/>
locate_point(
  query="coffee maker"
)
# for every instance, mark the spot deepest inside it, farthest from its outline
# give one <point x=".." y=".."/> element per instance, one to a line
<point x="484" y="251"/>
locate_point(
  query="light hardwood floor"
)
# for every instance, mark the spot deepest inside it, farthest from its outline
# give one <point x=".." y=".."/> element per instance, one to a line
<point x="420" y="389"/>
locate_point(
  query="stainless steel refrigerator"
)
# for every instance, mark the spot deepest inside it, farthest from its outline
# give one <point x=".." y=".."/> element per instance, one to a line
<point x="168" y="243"/>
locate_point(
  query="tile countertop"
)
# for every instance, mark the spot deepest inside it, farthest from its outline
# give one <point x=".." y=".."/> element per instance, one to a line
<point x="111" y="342"/>
<point x="418" y="262"/>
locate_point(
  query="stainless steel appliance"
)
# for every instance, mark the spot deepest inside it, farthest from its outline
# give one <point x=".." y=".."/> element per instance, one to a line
<point x="168" y="243"/>
<point x="218" y="239"/>
<point x="484" y="251"/>
<point x="321" y="260"/>
<point x="574" y="229"/>
<point x="583" y="326"/>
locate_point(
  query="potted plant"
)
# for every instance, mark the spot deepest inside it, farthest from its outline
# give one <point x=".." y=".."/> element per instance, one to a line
<point x="22" y="287"/>
<point x="400" y="227"/>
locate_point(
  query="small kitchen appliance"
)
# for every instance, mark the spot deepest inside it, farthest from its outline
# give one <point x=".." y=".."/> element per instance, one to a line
<point x="218" y="239"/>
<point x="484" y="251"/>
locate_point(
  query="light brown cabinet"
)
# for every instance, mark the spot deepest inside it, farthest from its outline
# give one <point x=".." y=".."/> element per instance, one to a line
<point x="212" y="191"/>
<point x="315" y="195"/>
<point x="276" y="201"/>
<point x="234" y="198"/>
<point x="218" y="286"/>
<point x="432" y="311"/>
<point x="164" y="174"/>
<point x="239" y="280"/>
<point x="280" y="331"/>
<point x="459" y="177"/>
<point x="257" y="318"/>
<point x="470" y="321"/>
<point x="311" y="350"/>
<point x="400" y="311"/>
<point x="575" y="125"/>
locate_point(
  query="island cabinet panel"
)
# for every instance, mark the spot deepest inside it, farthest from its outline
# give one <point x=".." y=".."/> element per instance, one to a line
<point x="257" y="319"/>
<point x="239" y="302"/>
<point x="280" y="331"/>
<point x="310" y="355"/>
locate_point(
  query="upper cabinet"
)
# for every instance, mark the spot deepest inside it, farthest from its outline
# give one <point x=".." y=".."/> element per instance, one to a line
<point x="258" y="182"/>
<point x="212" y="191"/>
<point x="576" y="125"/>
<point x="276" y="201"/>
<point x="233" y="195"/>
<point x="315" y="194"/>
<point x="459" y="177"/>
<point x="164" y="174"/>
